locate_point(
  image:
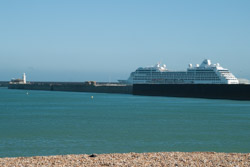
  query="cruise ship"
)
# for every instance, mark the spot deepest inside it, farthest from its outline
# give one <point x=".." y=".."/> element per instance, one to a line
<point x="205" y="73"/>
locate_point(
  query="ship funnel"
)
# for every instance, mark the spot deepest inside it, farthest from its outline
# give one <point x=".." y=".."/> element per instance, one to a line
<point x="206" y="62"/>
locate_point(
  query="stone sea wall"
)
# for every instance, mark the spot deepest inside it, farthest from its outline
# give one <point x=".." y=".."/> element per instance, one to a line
<point x="4" y="83"/>
<point x="210" y="91"/>
<point x="75" y="87"/>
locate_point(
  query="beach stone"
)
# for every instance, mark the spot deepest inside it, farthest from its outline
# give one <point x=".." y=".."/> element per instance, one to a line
<point x="93" y="155"/>
<point x="133" y="159"/>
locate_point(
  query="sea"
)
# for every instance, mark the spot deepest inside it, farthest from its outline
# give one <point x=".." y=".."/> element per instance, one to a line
<point x="39" y="123"/>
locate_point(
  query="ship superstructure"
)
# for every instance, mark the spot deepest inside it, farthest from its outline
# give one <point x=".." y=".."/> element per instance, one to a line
<point x="205" y="73"/>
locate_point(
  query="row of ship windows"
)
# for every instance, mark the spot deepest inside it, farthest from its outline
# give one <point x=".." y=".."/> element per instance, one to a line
<point x="187" y="79"/>
<point x="177" y="75"/>
<point x="154" y="71"/>
<point x="178" y="78"/>
<point x="149" y="72"/>
<point x="173" y="73"/>
<point x="189" y="71"/>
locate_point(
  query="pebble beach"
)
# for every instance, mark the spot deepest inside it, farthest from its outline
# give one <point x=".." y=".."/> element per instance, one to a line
<point x="133" y="159"/>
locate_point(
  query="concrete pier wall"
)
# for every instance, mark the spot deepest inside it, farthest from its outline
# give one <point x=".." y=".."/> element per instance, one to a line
<point x="213" y="91"/>
<point x="97" y="89"/>
<point x="4" y="83"/>
<point x="75" y="87"/>
<point x="30" y="86"/>
<point x="209" y="91"/>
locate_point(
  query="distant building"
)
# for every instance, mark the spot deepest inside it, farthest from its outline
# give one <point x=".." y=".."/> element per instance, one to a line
<point x="18" y="80"/>
<point x="92" y="83"/>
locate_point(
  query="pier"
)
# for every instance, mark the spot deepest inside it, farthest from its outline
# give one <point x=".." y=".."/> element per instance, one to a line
<point x="88" y="86"/>
<point x="4" y="83"/>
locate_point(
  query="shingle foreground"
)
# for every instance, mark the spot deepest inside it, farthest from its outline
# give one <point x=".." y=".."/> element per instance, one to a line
<point x="134" y="159"/>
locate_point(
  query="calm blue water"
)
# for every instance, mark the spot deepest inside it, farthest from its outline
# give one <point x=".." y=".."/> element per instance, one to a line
<point x="49" y="123"/>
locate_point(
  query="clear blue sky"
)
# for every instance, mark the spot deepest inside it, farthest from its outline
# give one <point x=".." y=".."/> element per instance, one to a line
<point x="57" y="40"/>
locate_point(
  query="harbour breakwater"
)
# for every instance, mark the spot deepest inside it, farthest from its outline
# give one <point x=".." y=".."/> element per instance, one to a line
<point x="90" y="86"/>
<point x="4" y="83"/>
<point x="210" y="91"/>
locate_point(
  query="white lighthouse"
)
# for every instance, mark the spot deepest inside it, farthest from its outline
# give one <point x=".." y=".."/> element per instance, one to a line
<point x="24" y="78"/>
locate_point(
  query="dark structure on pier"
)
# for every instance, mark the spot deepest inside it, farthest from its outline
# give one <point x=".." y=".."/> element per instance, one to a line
<point x="211" y="91"/>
